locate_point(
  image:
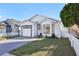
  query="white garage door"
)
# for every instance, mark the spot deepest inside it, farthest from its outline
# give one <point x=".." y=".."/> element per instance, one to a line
<point x="27" y="30"/>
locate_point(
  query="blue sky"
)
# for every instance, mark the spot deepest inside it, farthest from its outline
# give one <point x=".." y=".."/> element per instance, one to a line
<point x="21" y="11"/>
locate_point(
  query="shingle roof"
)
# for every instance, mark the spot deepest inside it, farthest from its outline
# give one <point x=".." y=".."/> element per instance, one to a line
<point x="2" y="23"/>
<point x="13" y="21"/>
<point x="39" y="18"/>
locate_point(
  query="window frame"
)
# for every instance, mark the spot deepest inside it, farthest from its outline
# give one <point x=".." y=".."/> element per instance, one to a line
<point x="46" y="30"/>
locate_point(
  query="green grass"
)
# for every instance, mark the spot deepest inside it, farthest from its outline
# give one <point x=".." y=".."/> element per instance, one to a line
<point x="46" y="47"/>
<point x="2" y="38"/>
<point x="9" y="37"/>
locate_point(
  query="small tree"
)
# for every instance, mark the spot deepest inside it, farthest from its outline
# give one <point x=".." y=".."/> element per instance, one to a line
<point x="70" y="14"/>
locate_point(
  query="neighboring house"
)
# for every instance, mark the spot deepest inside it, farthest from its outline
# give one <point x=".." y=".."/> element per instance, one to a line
<point x="14" y="24"/>
<point x="2" y="27"/>
<point x="9" y="26"/>
<point x="40" y="25"/>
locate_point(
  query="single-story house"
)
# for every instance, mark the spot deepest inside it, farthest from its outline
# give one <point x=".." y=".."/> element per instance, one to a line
<point x="9" y="27"/>
<point x="39" y="24"/>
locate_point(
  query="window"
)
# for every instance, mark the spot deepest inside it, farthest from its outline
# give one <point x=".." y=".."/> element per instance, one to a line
<point x="46" y="29"/>
<point x="2" y="26"/>
<point x="8" y="29"/>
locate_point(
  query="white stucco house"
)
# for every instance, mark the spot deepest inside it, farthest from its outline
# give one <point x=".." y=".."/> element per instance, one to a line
<point x="39" y="24"/>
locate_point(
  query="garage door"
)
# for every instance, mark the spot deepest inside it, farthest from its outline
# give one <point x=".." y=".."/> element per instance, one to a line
<point x="27" y="30"/>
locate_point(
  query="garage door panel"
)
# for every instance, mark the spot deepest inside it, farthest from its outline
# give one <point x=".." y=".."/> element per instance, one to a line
<point x="27" y="29"/>
<point x="27" y="32"/>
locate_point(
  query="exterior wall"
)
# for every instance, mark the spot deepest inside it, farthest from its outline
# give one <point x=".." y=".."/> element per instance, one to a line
<point x="57" y="30"/>
<point x="2" y="32"/>
<point x="64" y="33"/>
<point x="34" y="29"/>
<point x="48" y="22"/>
<point x="12" y="34"/>
<point x="12" y="26"/>
<point x="2" y="28"/>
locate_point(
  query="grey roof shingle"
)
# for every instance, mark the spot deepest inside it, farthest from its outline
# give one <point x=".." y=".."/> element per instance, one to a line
<point x="13" y="21"/>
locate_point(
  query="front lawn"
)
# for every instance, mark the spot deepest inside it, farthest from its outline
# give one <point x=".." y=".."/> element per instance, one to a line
<point x="46" y="47"/>
<point x="10" y="37"/>
<point x="2" y="38"/>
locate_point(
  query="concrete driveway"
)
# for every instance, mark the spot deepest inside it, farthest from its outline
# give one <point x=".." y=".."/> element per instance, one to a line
<point x="8" y="45"/>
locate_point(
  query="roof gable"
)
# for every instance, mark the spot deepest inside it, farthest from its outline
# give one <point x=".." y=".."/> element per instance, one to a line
<point x="27" y="22"/>
<point x="48" y="21"/>
<point x="40" y="18"/>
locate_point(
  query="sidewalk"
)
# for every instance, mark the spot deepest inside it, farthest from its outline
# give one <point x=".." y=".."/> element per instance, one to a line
<point x="16" y="40"/>
<point x="7" y="54"/>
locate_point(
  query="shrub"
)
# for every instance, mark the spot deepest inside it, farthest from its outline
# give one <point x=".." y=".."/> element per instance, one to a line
<point x="53" y="35"/>
<point x="46" y="36"/>
<point x="40" y="35"/>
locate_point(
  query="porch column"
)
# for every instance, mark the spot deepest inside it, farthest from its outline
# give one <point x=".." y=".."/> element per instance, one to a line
<point x="42" y="29"/>
<point x="51" y="29"/>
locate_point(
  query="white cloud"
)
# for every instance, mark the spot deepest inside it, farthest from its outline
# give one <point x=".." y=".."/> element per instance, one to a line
<point x="2" y="18"/>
